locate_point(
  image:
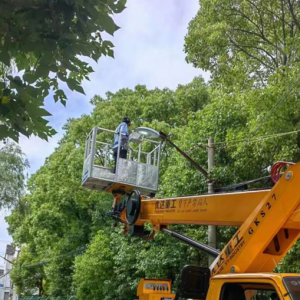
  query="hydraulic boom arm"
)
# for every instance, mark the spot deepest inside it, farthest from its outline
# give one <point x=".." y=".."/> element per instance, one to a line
<point x="269" y="221"/>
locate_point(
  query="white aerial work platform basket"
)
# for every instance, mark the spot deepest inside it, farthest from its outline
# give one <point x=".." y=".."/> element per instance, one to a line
<point x="139" y="171"/>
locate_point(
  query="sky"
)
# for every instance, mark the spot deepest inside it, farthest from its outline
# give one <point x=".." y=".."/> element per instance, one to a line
<point x="148" y="50"/>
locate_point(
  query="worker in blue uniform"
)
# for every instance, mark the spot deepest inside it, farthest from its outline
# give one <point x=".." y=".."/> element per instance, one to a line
<point x="124" y="140"/>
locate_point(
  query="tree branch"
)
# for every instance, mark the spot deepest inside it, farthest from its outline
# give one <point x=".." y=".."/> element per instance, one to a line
<point x="263" y="50"/>
<point x="250" y="55"/>
<point x="283" y="32"/>
<point x="291" y="9"/>
<point x="261" y="30"/>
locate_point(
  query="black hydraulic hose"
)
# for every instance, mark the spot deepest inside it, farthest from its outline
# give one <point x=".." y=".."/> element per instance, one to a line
<point x="199" y="246"/>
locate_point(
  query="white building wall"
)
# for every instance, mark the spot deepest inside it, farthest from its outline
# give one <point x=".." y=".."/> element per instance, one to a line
<point x="2" y="270"/>
<point x="8" y="289"/>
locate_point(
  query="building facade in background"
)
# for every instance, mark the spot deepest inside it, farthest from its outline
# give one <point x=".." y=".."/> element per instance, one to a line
<point x="7" y="291"/>
<point x="2" y="267"/>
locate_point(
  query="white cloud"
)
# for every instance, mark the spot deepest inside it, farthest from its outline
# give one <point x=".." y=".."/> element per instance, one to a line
<point x="148" y="48"/>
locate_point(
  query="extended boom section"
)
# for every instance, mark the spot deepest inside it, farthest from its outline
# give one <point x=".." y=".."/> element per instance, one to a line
<point x="231" y="209"/>
<point x="262" y="240"/>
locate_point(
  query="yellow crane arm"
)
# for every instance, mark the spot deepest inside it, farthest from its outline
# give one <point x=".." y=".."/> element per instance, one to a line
<point x="263" y="240"/>
<point x="230" y="209"/>
<point x="269" y="221"/>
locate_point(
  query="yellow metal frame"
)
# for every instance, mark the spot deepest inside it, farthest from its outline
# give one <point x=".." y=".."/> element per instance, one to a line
<point x="275" y="280"/>
<point x="148" y="289"/>
<point x="229" y="209"/>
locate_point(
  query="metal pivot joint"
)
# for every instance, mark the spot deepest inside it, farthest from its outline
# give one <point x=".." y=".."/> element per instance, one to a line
<point x="133" y="207"/>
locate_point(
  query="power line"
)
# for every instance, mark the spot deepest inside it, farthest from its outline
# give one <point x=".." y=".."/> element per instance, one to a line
<point x="273" y="108"/>
<point x="224" y="144"/>
<point x="6" y="259"/>
<point x="262" y="138"/>
<point x="6" y="273"/>
<point x="259" y="125"/>
<point x="46" y="261"/>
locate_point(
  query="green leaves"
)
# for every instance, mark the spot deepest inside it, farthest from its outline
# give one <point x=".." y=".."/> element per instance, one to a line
<point x="47" y="46"/>
<point x="21" y="108"/>
<point x="74" y="85"/>
<point x="60" y="96"/>
<point x="3" y="132"/>
<point x="2" y="86"/>
<point x="60" y="216"/>
<point x="37" y="111"/>
<point x="42" y="71"/>
<point x="30" y="78"/>
<point x="108" y="24"/>
<point x="13" y="165"/>
<point x="117" y="6"/>
<point x="5" y="57"/>
<point x="238" y="41"/>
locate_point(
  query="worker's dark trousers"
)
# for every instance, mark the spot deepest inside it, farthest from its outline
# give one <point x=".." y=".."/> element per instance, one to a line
<point x="123" y="154"/>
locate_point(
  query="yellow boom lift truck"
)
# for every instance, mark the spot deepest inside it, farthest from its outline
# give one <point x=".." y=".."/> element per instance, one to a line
<point x="268" y="221"/>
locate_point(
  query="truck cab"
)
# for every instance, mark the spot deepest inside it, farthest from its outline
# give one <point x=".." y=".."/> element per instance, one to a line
<point x="196" y="283"/>
<point x="255" y="286"/>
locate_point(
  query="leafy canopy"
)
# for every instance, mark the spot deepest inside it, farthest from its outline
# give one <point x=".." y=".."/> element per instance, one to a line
<point x="13" y="165"/>
<point x="44" y="43"/>
<point x="59" y="217"/>
<point x="243" y="41"/>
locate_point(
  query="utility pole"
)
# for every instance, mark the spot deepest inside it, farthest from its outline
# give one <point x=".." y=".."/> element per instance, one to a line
<point x="212" y="233"/>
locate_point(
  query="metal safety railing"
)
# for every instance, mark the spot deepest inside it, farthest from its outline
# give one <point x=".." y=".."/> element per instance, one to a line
<point x="104" y="166"/>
